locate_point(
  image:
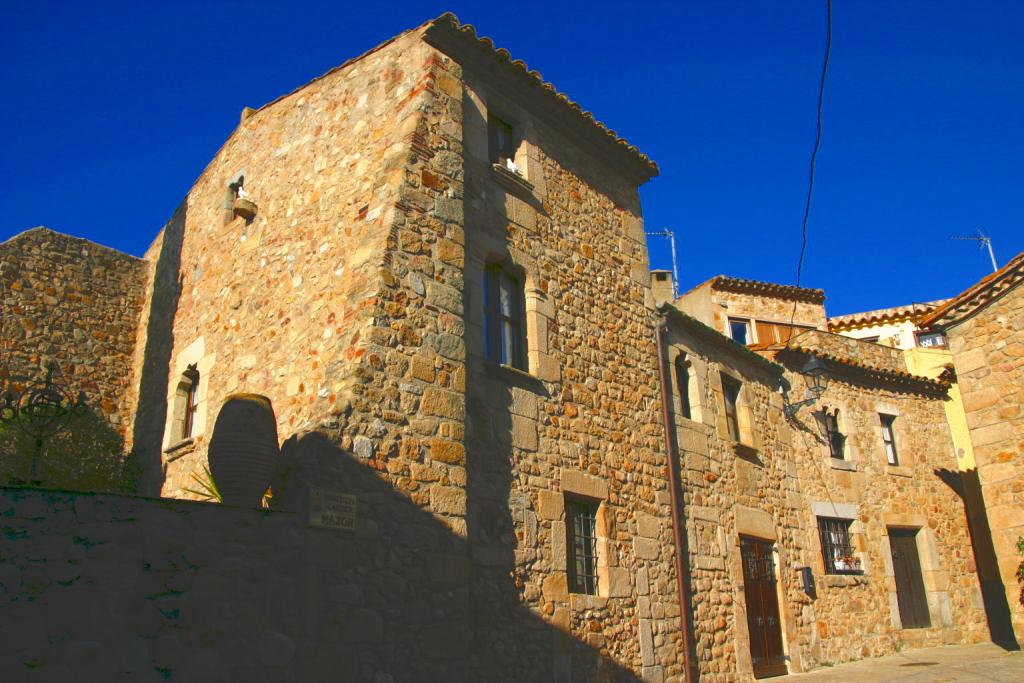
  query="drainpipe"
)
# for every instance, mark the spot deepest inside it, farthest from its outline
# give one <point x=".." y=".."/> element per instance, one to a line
<point x="675" y="488"/>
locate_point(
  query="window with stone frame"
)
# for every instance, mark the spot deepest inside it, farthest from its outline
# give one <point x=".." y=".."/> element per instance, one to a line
<point x="186" y="400"/>
<point x="683" y="380"/>
<point x="501" y="142"/>
<point x="889" y="438"/>
<point x="828" y="419"/>
<point x="504" y="322"/>
<point x="581" y="545"/>
<point x="731" y="394"/>
<point x="837" y="546"/>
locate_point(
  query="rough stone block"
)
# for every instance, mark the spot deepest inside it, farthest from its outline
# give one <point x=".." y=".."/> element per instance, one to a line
<point x="648" y="526"/>
<point x="550" y="504"/>
<point x="556" y="587"/>
<point x="618" y="582"/>
<point x="441" y="403"/>
<point x="448" y="500"/>
<point x="646" y="548"/>
<point x="450" y="452"/>
<point x="574" y="481"/>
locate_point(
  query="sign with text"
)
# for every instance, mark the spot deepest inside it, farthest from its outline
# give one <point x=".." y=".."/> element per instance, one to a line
<point x="332" y="510"/>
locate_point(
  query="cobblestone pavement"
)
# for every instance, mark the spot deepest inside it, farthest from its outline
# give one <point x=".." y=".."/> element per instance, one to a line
<point x="983" y="663"/>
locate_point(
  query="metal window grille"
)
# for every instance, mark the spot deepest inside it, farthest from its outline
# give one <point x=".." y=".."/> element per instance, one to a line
<point x="504" y="334"/>
<point x="836" y="548"/>
<point x="581" y="518"/>
<point x="889" y="439"/>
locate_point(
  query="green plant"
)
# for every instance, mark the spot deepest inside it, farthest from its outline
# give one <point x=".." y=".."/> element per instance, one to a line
<point x="207" y="486"/>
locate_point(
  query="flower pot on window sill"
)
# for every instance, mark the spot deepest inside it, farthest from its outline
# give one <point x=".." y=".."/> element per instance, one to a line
<point x="244" y="208"/>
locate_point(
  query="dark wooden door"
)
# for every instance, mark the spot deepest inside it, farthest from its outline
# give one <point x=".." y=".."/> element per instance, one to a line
<point x="762" y="608"/>
<point x="906" y="566"/>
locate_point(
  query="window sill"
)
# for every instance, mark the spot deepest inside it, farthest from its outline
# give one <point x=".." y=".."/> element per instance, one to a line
<point x="514" y="375"/>
<point x="585" y="601"/>
<point x="844" y="580"/>
<point x="846" y="465"/>
<point x="899" y="471"/>
<point x="511" y="181"/>
<point x="179" y="449"/>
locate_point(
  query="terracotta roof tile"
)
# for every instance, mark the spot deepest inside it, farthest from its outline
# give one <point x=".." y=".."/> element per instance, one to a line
<point x="450" y="24"/>
<point x="907" y="379"/>
<point x="740" y="285"/>
<point x="976" y="297"/>
<point x="914" y="311"/>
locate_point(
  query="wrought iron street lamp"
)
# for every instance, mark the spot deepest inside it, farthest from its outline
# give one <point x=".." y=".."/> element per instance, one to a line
<point x="41" y="411"/>
<point x="816" y="375"/>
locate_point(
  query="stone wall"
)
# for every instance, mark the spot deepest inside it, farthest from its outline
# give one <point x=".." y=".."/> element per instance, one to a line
<point x="840" y="346"/>
<point x="857" y="616"/>
<point x="714" y="307"/>
<point x="121" y="588"/>
<point x="778" y="478"/>
<point x="76" y="304"/>
<point x="288" y="305"/>
<point x="988" y="353"/>
<point x="731" y="489"/>
<point x="353" y="301"/>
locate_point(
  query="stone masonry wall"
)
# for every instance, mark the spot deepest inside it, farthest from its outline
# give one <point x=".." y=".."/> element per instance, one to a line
<point x="124" y="588"/>
<point x="730" y="490"/>
<point x="581" y="420"/>
<point x="736" y="304"/>
<point x="285" y="305"/>
<point x="988" y="353"/>
<point x="855" y="616"/>
<point x="74" y="303"/>
<point x="868" y="353"/>
<point x="349" y="301"/>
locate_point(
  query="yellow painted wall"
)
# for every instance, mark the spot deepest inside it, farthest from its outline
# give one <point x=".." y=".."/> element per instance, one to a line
<point x="930" y="362"/>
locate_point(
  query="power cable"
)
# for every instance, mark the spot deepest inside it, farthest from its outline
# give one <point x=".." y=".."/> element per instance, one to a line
<point x="814" y="154"/>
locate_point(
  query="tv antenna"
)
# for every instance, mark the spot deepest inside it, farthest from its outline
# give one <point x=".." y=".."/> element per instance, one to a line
<point x="668" y="234"/>
<point x="983" y="241"/>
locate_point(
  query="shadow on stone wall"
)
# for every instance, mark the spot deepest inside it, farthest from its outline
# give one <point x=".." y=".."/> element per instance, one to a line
<point x="108" y="587"/>
<point x="87" y="456"/>
<point x="151" y="415"/>
<point x="967" y="485"/>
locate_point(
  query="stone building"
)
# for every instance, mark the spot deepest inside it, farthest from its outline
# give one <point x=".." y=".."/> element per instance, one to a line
<point x="433" y="264"/>
<point x="834" y="520"/>
<point x="985" y="329"/>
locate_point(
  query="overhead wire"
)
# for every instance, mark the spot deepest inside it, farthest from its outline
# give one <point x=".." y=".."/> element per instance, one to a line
<point x="814" y="155"/>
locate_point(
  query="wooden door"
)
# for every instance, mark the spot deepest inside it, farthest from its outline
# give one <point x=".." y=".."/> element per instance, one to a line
<point x="906" y="566"/>
<point x="759" y="588"/>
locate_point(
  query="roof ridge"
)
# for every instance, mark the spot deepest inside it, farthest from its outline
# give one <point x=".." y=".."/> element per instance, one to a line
<point x="996" y="280"/>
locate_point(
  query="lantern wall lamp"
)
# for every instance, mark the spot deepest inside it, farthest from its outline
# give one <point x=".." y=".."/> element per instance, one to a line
<point x="816" y="376"/>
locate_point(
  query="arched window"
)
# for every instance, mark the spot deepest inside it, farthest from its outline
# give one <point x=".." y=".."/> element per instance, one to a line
<point x="683" y="386"/>
<point x="504" y="328"/>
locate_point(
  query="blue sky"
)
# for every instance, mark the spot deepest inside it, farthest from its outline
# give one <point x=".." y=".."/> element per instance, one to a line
<point x="109" y="111"/>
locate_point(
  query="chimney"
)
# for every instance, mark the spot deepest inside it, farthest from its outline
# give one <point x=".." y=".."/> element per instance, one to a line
<point x="662" y="287"/>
